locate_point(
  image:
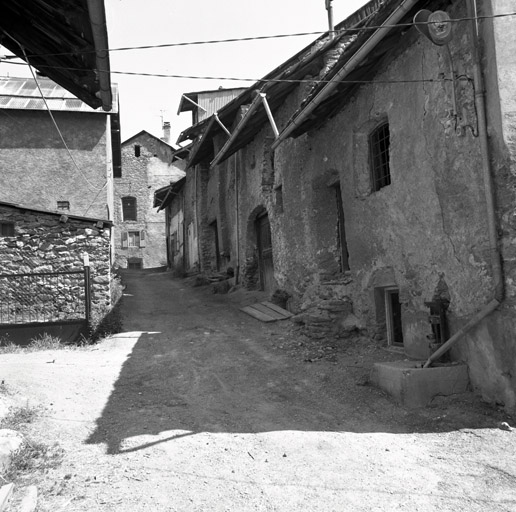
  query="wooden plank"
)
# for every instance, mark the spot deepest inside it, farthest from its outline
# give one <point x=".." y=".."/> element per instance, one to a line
<point x="257" y="314"/>
<point x="278" y="309"/>
<point x="5" y="494"/>
<point x="268" y="311"/>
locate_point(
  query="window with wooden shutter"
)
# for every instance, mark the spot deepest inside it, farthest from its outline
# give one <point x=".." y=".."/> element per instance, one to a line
<point x="129" y="208"/>
<point x="142" y="238"/>
<point x="124" y="240"/>
<point x="134" y="238"/>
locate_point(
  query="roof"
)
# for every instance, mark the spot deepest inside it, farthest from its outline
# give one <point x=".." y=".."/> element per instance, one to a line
<point x="23" y="94"/>
<point x="145" y="132"/>
<point x="186" y="105"/>
<point x="165" y="195"/>
<point x="50" y="212"/>
<point x="64" y="39"/>
<point x="337" y="86"/>
<point x="277" y="85"/>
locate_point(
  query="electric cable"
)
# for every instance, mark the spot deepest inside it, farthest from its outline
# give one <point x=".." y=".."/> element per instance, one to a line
<point x="240" y="79"/>
<point x="258" y="38"/>
<point x="52" y="116"/>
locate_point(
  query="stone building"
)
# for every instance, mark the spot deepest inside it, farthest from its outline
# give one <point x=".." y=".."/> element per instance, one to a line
<point x="379" y="194"/>
<point x="147" y="164"/>
<point x="68" y="168"/>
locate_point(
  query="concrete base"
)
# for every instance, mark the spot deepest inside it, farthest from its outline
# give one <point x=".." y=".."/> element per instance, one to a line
<point x="413" y="386"/>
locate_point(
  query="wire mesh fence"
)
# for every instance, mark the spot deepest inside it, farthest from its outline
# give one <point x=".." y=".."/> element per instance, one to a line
<point x="42" y="297"/>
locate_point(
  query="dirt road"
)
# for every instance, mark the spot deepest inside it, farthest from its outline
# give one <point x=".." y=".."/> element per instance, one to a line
<point x="198" y="407"/>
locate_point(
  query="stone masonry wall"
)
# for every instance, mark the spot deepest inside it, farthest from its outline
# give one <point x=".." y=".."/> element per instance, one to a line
<point x="141" y="176"/>
<point x="46" y="242"/>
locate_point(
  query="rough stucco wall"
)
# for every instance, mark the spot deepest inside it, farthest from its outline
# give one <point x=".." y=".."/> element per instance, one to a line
<point x="44" y="244"/>
<point x="37" y="171"/>
<point x="141" y="177"/>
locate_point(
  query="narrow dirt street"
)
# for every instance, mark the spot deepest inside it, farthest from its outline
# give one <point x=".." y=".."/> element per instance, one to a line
<point x="199" y="407"/>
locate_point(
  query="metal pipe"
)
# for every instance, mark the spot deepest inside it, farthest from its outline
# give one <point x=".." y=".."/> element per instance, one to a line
<point x="350" y="65"/>
<point x="269" y="113"/>
<point x="496" y="260"/>
<point x="486" y="310"/>
<point x="100" y="40"/>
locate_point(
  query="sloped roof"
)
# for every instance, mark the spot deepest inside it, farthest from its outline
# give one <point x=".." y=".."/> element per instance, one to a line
<point x="145" y="132"/>
<point x="23" y="94"/>
<point x="18" y="206"/>
<point x="64" y="39"/>
<point x="278" y="85"/>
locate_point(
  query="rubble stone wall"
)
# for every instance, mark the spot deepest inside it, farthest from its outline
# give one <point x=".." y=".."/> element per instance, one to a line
<point x="45" y="242"/>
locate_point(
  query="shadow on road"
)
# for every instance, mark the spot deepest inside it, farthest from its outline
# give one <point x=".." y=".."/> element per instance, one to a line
<point x="200" y="365"/>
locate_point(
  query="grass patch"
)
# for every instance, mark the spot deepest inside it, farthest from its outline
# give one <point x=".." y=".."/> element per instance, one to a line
<point x="17" y="417"/>
<point x="33" y="456"/>
<point x="45" y="342"/>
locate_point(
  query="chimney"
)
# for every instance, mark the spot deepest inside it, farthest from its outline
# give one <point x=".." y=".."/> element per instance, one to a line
<point x="166" y="132"/>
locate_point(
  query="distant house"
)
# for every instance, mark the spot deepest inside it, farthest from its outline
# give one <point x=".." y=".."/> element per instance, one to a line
<point x="380" y="193"/>
<point x="148" y="164"/>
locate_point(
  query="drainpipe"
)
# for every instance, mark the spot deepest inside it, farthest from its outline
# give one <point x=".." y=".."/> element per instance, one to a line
<point x="100" y="40"/>
<point x="496" y="260"/>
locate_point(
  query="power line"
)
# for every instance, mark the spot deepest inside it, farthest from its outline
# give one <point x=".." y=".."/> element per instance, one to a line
<point x="261" y="80"/>
<point x="259" y="38"/>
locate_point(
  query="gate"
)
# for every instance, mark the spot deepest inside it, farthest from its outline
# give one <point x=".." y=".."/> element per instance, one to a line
<point x="46" y="297"/>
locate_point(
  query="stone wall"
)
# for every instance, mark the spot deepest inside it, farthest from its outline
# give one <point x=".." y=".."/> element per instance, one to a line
<point x="426" y="229"/>
<point x="46" y="242"/>
<point x="141" y="176"/>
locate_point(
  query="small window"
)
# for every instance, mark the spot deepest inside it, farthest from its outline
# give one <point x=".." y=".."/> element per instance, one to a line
<point x="134" y="239"/>
<point x="379" y="143"/>
<point x="63" y="205"/>
<point x="129" y="208"/>
<point x="6" y="229"/>
<point x="137" y="150"/>
<point x="278" y="194"/>
<point x="134" y="264"/>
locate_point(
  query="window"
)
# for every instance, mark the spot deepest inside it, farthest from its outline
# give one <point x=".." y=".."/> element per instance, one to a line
<point x="6" y="229"/>
<point x="133" y="239"/>
<point x="379" y="142"/>
<point x="129" y="208"/>
<point x="134" y="264"/>
<point x="63" y="205"/>
<point x="278" y="194"/>
<point x="341" y="231"/>
<point x="137" y="150"/>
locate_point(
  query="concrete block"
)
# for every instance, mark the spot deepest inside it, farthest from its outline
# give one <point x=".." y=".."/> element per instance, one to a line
<point x="413" y="386"/>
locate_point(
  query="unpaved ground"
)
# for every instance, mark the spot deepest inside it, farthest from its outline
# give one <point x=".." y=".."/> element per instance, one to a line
<point x="198" y="407"/>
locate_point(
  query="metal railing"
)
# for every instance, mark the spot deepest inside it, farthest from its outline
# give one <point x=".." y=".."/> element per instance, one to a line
<point x="44" y="297"/>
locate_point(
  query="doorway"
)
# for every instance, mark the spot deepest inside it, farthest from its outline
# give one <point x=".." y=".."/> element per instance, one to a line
<point x="393" y="317"/>
<point x="265" y="262"/>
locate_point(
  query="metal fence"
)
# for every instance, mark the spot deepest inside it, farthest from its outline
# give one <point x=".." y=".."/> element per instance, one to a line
<point x="44" y="297"/>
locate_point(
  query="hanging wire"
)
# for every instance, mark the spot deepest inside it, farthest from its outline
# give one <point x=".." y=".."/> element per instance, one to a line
<point x="52" y="116"/>
<point x="259" y="38"/>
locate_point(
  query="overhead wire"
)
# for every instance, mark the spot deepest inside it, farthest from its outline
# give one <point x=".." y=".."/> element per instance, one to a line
<point x="244" y="79"/>
<point x="337" y="32"/>
<point x="52" y="116"/>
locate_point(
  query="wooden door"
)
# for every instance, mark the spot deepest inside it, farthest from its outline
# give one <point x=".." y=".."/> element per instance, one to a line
<point x="265" y="262"/>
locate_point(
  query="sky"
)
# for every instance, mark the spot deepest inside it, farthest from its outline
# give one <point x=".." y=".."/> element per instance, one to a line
<point x="145" y="102"/>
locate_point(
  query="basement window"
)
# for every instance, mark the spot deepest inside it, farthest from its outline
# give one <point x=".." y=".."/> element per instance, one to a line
<point x="63" y="205"/>
<point x="6" y="229"/>
<point x="379" y="144"/>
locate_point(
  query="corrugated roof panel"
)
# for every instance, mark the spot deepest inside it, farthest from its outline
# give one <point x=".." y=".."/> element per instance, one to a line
<point x="23" y="94"/>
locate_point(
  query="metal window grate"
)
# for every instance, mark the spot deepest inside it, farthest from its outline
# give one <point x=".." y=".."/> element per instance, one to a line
<point x="42" y="297"/>
<point x="379" y="147"/>
<point x="6" y="229"/>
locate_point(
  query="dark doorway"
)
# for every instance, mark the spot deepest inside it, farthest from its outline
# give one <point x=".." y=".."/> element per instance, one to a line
<point x="215" y="235"/>
<point x="393" y="317"/>
<point x="264" y="239"/>
<point x="343" y="246"/>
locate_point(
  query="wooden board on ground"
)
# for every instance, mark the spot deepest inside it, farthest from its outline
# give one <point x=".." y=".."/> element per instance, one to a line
<point x="266" y="312"/>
